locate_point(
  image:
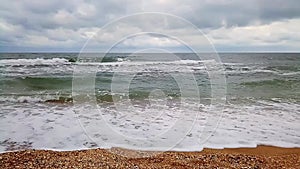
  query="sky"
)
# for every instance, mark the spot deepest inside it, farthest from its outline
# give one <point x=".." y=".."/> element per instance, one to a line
<point x="174" y="25"/>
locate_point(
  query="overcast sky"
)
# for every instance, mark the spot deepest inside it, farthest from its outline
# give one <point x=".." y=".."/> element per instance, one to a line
<point x="230" y="25"/>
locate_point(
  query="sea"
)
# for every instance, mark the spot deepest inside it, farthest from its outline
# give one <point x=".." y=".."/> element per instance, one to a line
<point x="61" y="101"/>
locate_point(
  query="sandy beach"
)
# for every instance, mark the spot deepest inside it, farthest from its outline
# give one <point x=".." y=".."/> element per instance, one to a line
<point x="260" y="157"/>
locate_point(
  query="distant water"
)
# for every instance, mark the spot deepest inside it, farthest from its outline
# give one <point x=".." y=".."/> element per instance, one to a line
<point x="262" y="101"/>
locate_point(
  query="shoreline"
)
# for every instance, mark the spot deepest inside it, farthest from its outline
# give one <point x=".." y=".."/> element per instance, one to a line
<point x="265" y="150"/>
<point x="259" y="157"/>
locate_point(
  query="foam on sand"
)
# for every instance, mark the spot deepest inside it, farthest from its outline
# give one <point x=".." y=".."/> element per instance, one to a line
<point x="57" y="127"/>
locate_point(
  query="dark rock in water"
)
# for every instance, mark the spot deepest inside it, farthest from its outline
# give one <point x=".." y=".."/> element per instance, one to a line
<point x="109" y="59"/>
<point x="229" y="68"/>
<point x="105" y="98"/>
<point x="245" y="69"/>
<point x="60" y="100"/>
<point x="72" y="60"/>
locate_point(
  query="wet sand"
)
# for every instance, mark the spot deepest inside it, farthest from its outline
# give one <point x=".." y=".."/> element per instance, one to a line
<point x="260" y="157"/>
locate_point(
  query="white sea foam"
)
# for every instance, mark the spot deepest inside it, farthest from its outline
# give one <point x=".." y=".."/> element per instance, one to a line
<point x="250" y="71"/>
<point x="19" y="67"/>
<point x="32" y="62"/>
<point x="137" y="63"/>
<point x="58" y="66"/>
<point x="26" y="99"/>
<point x="291" y="74"/>
<point x="57" y="127"/>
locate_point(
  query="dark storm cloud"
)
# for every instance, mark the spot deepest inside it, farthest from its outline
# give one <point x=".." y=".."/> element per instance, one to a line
<point x="241" y="13"/>
<point x="41" y="14"/>
<point x="278" y="9"/>
<point x="22" y="20"/>
<point x="44" y="14"/>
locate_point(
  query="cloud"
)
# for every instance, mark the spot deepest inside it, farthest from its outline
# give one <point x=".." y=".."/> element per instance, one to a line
<point x="150" y="41"/>
<point x="280" y="33"/>
<point x="67" y="25"/>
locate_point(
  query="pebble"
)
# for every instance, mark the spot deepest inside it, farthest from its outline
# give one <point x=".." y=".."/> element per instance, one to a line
<point x="100" y="158"/>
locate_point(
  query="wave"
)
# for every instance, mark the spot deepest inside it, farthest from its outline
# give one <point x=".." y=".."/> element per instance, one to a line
<point x="36" y="99"/>
<point x="137" y="63"/>
<point x="54" y="61"/>
<point x="101" y="97"/>
<point x="61" y="66"/>
<point x="246" y="69"/>
<point x="22" y="99"/>
<point x="116" y="61"/>
<point x="98" y="61"/>
<point x="45" y="83"/>
<point x="33" y="62"/>
<point x="272" y="82"/>
<point x="291" y="73"/>
<point x="230" y="68"/>
<point x="284" y="68"/>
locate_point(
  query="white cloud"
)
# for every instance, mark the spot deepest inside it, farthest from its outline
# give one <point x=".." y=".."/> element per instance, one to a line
<point x="277" y="33"/>
<point x="150" y="41"/>
<point x="230" y="23"/>
<point x="86" y="10"/>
